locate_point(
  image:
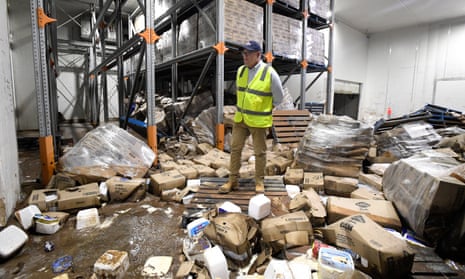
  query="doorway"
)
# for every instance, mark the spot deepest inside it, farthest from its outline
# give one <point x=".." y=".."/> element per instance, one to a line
<point x="346" y="98"/>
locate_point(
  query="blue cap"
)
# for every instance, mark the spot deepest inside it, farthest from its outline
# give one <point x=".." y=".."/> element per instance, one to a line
<point x="251" y="46"/>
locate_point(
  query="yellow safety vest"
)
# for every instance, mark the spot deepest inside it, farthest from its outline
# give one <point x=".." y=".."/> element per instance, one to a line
<point x="254" y="100"/>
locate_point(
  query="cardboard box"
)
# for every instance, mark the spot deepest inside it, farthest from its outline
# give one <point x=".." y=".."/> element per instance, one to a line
<point x="386" y="255"/>
<point x="279" y="163"/>
<point x="165" y="181"/>
<point x="247" y="171"/>
<point x="318" y="216"/>
<point x="314" y="180"/>
<point x="423" y="193"/>
<point x="367" y="193"/>
<point x="204" y="170"/>
<point x="188" y="171"/>
<point x="79" y="197"/>
<point x="168" y="165"/>
<point x="125" y="189"/>
<point x="222" y="172"/>
<point x="371" y="180"/>
<point x="293" y="229"/>
<point x="61" y="181"/>
<point x="380" y="211"/>
<point x="340" y="186"/>
<point x="45" y="199"/>
<point x="294" y="176"/>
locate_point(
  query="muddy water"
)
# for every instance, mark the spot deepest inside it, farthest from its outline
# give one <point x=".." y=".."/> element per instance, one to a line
<point x="144" y="229"/>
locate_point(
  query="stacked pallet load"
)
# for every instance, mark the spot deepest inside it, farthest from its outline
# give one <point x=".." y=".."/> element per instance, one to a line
<point x="334" y="145"/>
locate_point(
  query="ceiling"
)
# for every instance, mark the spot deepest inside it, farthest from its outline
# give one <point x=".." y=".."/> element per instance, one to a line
<point x="372" y="16"/>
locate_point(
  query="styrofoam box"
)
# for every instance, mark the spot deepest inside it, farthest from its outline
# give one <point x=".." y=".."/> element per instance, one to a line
<point x="87" y="218"/>
<point x="11" y="239"/>
<point x="112" y="264"/>
<point x="26" y="215"/>
<point x="259" y="207"/>
<point x="216" y="264"/>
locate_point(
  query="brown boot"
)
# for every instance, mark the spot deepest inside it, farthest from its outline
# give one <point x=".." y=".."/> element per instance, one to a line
<point x="227" y="187"/>
<point x="259" y="187"/>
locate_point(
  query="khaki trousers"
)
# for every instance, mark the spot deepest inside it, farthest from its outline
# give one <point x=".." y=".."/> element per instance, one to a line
<point x="240" y="133"/>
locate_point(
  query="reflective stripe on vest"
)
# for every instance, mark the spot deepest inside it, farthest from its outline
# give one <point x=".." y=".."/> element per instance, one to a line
<point x="254" y="100"/>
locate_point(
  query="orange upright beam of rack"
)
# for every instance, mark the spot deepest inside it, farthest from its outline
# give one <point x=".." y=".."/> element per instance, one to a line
<point x="152" y="141"/>
<point x="47" y="160"/>
<point x="220" y="136"/>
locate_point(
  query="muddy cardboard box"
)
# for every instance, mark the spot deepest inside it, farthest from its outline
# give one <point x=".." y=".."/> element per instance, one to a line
<point x="367" y="193"/>
<point x="79" y="197"/>
<point x="318" y="209"/>
<point x="383" y="254"/>
<point x="247" y="171"/>
<point x="45" y="199"/>
<point x="280" y="163"/>
<point x="165" y="181"/>
<point x="340" y="186"/>
<point x="125" y="189"/>
<point x="314" y="180"/>
<point x="380" y="211"/>
<point x="293" y="229"/>
<point x="294" y="176"/>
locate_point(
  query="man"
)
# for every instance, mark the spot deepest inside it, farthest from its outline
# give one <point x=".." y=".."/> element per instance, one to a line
<point x="259" y="89"/>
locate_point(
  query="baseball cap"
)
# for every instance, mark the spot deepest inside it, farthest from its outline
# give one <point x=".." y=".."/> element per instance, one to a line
<point x="251" y="46"/>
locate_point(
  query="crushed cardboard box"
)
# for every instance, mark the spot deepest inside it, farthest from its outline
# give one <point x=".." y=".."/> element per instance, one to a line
<point x="384" y="255"/>
<point x="340" y="186"/>
<point x="371" y="179"/>
<point x="380" y="211"/>
<point x="126" y="189"/>
<point x="165" y="181"/>
<point x="294" y="176"/>
<point x="367" y="193"/>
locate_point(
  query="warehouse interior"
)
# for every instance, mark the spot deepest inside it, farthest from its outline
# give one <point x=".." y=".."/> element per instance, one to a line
<point x="164" y="70"/>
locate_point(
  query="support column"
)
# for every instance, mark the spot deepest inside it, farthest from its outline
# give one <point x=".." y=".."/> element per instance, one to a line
<point x="303" y="63"/>
<point x="150" y="38"/>
<point x="220" y="48"/>
<point x="330" y="80"/>
<point x="39" y="20"/>
<point x="268" y="32"/>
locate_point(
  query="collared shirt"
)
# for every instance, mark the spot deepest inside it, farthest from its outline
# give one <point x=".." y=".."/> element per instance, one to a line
<point x="276" y="85"/>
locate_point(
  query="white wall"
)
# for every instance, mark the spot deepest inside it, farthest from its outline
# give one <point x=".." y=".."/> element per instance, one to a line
<point x="404" y="64"/>
<point x="9" y="171"/>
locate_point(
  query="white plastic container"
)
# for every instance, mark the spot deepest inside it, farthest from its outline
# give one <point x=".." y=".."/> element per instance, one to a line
<point x="228" y="206"/>
<point x="259" y="206"/>
<point x="215" y="261"/>
<point x="278" y="269"/>
<point x="196" y="227"/>
<point x="333" y="263"/>
<point x="26" y="215"/>
<point x="87" y="218"/>
<point x="112" y="264"/>
<point x="46" y="224"/>
<point x="11" y="239"/>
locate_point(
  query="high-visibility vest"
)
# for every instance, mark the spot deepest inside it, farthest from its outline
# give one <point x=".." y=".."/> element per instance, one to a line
<point x="254" y="100"/>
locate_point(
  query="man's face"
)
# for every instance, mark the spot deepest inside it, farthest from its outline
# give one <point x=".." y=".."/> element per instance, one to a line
<point x="250" y="58"/>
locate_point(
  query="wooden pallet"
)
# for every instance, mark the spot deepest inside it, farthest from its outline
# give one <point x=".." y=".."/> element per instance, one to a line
<point x="289" y="126"/>
<point x="207" y="197"/>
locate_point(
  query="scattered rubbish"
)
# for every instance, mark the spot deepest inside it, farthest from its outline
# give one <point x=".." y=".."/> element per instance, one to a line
<point x="333" y="263"/>
<point x="157" y="267"/>
<point x="112" y="264"/>
<point x="215" y="261"/>
<point x="195" y="228"/>
<point x="49" y="246"/>
<point x="62" y="264"/>
<point x="11" y="239"/>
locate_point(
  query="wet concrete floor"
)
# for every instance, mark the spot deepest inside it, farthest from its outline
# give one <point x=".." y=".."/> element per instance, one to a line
<point x="148" y="228"/>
